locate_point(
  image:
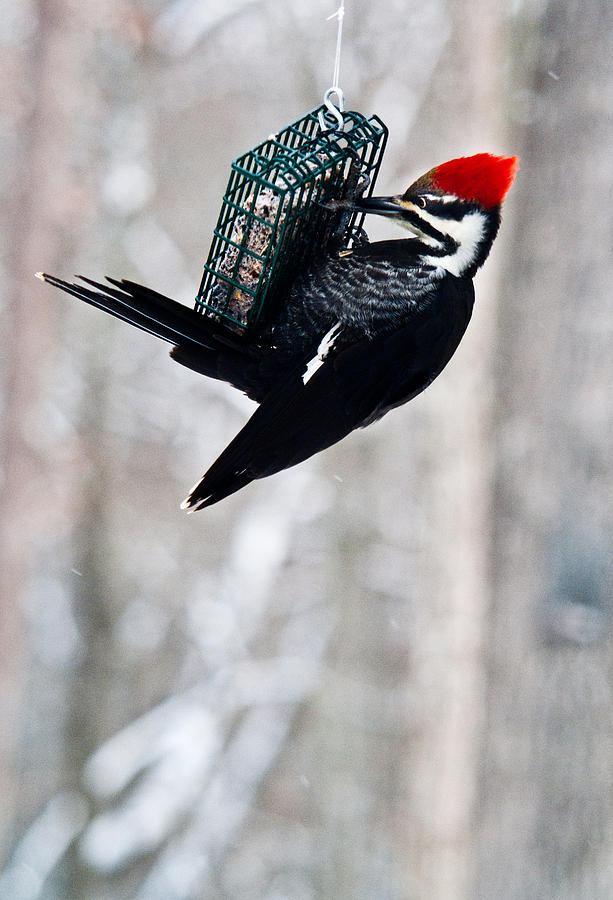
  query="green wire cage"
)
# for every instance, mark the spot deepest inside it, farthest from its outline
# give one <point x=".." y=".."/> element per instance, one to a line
<point x="278" y="212"/>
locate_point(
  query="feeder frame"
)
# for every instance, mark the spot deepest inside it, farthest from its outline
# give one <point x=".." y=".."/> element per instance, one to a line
<point x="278" y="214"/>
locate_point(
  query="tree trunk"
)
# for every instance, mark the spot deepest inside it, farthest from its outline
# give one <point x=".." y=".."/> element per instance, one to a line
<point x="545" y="813"/>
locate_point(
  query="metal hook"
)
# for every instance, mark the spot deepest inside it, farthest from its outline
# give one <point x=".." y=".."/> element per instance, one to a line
<point x="335" y="109"/>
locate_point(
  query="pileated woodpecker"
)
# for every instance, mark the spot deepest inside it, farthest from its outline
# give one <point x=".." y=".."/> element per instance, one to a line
<point x="360" y="333"/>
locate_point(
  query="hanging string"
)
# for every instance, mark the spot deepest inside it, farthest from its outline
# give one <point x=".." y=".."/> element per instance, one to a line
<point x="335" y="108"/>
<point x="339" y="15"/>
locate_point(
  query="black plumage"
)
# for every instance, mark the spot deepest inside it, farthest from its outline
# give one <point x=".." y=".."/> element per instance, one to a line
<point x="359" y="333"/>
<point x="388" y="311"/>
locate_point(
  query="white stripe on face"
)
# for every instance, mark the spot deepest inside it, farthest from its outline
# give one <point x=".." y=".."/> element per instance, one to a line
<point x="467" y="232"/>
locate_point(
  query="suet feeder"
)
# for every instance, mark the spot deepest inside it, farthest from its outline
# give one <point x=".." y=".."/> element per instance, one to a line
<point x="278" y="213"/>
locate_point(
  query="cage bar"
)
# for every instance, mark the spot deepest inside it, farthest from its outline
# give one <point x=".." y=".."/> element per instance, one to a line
<point x="274" y="220"/>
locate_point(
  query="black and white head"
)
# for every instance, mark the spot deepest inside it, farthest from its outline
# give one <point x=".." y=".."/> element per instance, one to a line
<point x="453" y="210"/>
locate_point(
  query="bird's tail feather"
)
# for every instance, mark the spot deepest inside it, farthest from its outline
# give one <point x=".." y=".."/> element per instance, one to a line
<point x="144" y="308"/>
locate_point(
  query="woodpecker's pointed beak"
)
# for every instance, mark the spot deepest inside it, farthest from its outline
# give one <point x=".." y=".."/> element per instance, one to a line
<point x="404" y="212"/>
<point x="383" y="206"/>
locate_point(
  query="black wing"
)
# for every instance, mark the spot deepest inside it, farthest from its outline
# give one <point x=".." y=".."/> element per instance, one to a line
<point x="356" y="383"/>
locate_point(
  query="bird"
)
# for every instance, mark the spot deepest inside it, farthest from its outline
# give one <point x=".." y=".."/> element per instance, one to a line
<point x="360" y="331"/>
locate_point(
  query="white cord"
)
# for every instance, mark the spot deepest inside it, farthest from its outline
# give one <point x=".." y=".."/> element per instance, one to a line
<point x="339" y="15"/>
<point x="336" y="109"/>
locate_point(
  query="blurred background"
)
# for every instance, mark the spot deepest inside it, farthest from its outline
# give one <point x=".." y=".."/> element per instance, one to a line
<point x="384" y="674"/>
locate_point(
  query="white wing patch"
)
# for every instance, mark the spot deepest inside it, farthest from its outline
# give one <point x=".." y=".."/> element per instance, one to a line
<point x="326" y="344"/>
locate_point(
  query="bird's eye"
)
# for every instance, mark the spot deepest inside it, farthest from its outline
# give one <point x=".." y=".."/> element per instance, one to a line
<point x="421" y="201"/>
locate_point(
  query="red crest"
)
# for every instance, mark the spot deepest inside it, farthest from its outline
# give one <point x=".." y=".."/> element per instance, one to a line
<point x="483" y="178"/>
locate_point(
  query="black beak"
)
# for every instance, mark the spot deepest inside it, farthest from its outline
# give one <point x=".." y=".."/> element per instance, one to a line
<point x="384" y="206"/>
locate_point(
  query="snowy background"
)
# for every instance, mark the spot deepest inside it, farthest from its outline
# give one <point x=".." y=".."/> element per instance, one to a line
<point x="387" y="673"/>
